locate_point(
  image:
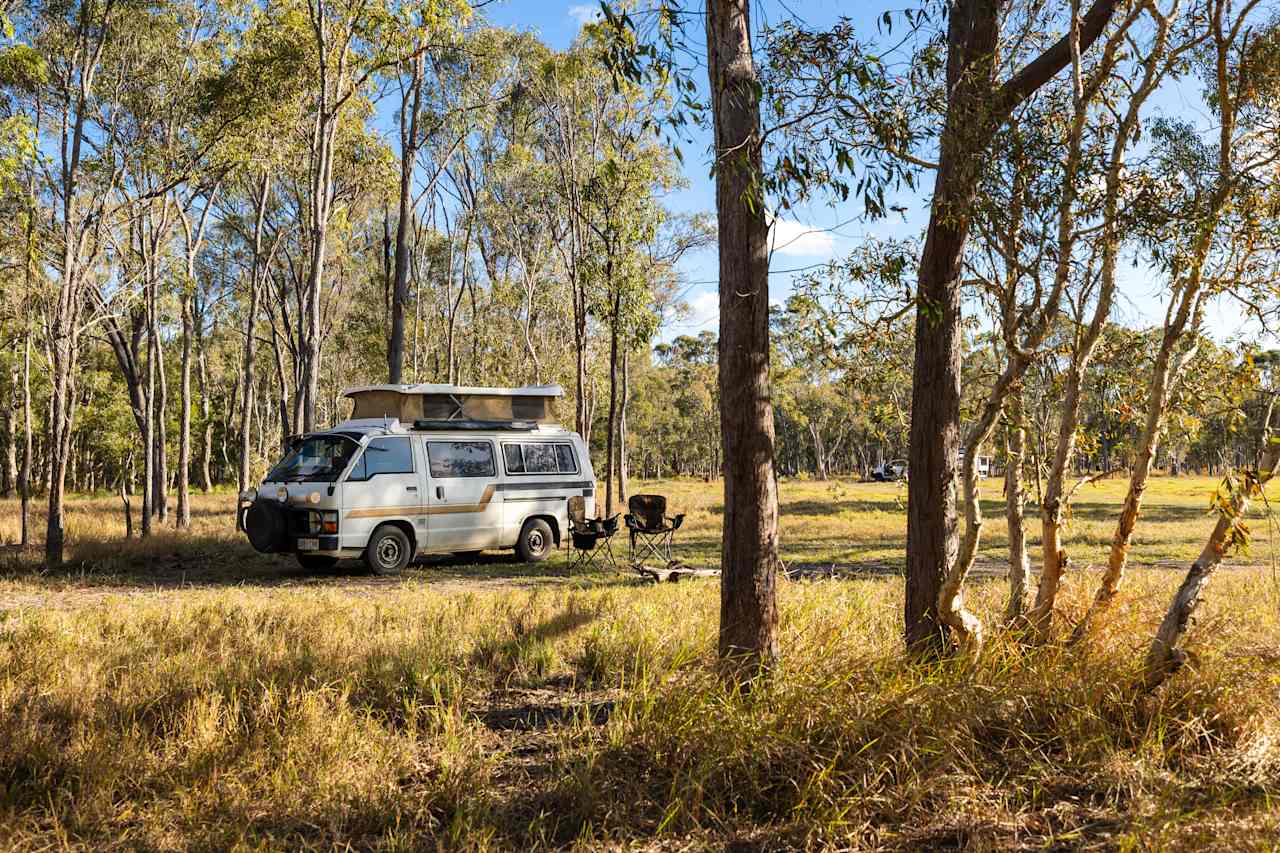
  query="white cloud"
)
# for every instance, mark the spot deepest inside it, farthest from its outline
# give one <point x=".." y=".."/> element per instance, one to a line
<point x="584" y="13"/>
<point x="704" y="311"/>
<point x="795" y="239"/>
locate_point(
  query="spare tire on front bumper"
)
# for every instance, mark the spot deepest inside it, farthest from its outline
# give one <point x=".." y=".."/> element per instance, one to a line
<point x="266" y="526"/>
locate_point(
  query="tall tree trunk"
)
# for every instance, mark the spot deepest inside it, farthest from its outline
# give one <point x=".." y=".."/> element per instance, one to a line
<point x="61" y="424"/>
<point x="408" y="158"/>
<point x="612" y="421"/>
<point x="748" y="642"/>
<point x="1015" y="503"/>
<point x="932" y="531"/>
<point x="184" y="421"/>
<point x="322" y="190"/>
<point x="622" y="429"/>
<point x="1164" y="657"/>
<point x="975" y="110"/>
<point x="149" y="447"/>
<point x="206" y="415"/>
<point x="24" y="473"/>
<point x="161" y="489"/>
<point x="256" y="281"/>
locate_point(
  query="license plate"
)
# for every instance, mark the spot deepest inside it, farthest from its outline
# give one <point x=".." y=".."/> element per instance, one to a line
<point x="308" y="544"/>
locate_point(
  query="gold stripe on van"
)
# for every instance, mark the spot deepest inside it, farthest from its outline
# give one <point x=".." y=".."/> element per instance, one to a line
<point x="440" y="509"/>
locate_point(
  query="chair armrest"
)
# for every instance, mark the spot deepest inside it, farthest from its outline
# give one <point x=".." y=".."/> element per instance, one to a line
<point x="631" y="521"/>
<point x="677" y="521"/>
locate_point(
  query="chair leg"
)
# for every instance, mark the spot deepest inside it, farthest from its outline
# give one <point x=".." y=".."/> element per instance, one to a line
<point x="651" y="546"/>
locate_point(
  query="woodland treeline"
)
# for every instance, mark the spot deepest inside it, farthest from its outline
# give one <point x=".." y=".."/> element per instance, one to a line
<point x="218" y="215"/>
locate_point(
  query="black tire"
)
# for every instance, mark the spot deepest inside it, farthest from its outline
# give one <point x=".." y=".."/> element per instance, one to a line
<point x="316" y="562"/>
<point x="264" y="524"/>
<point x="388" y="551"/>
<point x="535" y="543"/>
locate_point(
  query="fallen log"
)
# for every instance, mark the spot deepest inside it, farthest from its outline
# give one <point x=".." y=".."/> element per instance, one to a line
<point x="672" y="572"/>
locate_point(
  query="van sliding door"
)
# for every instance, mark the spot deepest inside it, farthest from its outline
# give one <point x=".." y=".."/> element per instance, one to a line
<point x="463" y="502"/>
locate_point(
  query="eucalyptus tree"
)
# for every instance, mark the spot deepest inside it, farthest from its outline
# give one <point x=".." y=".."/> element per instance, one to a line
<point x="347" y="44"/>
<point x="978" y="105"/>
<point x="572" y="101"/>
<point x="622" y="215"/>
<point x="1027" y="314"/>
<point x="73" y="102"/>
<point x="1218" y="194"/>
<point x="431" y="37"/>
<point x="25" y="71"/>
<point x="1180" y="34"/>
<point x="167" y="62"/>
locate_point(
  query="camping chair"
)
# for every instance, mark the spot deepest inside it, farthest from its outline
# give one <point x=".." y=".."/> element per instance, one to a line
<point x="651" y="528"/>
<point x="588" y="537"/>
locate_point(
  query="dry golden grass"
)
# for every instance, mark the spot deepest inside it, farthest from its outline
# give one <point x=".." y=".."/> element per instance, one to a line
<point x="186" y="694"/>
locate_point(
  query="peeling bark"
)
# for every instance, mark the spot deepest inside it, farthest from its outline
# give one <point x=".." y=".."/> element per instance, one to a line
<point x="1053" y="506"/>
<point x="1182" y="316"/>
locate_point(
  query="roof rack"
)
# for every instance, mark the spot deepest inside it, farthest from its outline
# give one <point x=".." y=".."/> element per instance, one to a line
<point x="446" y="425"/>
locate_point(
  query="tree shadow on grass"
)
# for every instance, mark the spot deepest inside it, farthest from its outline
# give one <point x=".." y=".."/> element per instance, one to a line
<point x="170" y="561"/>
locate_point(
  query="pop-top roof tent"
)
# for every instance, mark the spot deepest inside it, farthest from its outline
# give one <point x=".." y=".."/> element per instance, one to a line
<point x="432" y="402"/>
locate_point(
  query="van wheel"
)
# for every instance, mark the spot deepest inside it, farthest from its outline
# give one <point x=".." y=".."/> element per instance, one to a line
<point x="388" y="551"/>
<point x="316" y="562"/>
<point x="534" y="544"/>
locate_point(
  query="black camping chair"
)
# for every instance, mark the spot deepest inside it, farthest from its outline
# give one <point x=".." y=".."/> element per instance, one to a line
<point x="651" y="528"/>
<point x="588" y="537"/>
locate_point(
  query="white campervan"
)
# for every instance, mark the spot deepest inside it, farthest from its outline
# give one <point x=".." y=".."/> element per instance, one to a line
<point x="424" y="469"/>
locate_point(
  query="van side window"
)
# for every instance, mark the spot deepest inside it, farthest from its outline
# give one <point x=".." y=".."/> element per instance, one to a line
<point x="460" y="459"/>
<point x="540" y="458"/>
<point x="565" y="456"/>
<point x="383" y="456"/>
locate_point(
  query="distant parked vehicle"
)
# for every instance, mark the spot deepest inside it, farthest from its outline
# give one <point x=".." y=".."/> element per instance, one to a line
<point x="984" y="466"/>
<point x="890" y="472"/>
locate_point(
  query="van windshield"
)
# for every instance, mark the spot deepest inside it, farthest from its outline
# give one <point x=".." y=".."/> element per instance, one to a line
<point x="315" y="459"/>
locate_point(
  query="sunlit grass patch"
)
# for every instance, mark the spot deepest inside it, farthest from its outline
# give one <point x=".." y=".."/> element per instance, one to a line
<point x="489" y="705"/>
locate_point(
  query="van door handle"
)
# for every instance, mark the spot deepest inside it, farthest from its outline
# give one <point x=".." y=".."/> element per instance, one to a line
<point x="439" y="493"/>
<point x="411" y="488"/>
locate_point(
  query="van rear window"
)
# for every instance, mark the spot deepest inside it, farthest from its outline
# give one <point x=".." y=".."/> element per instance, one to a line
<point x="540" y="458"/>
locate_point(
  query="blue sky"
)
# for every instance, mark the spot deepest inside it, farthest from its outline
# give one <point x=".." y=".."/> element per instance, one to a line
<point x="819" y="232"/>
<point x="800" y="237"/>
